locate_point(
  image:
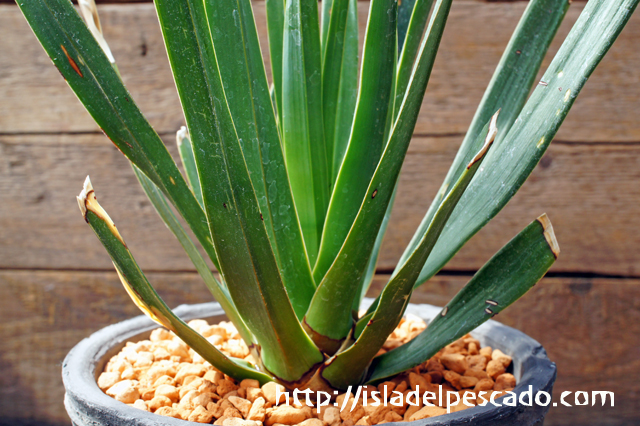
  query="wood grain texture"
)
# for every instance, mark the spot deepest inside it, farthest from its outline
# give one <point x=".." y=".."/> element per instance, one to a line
<point x="44" y="314"/>
<point x="57" y="284"/>
<point x="67" y="160"/>
<point x="587" y="327"/>
<point x="576" y="320"/>
<point x="589" y="191"/>
<point x="36" y="99"/>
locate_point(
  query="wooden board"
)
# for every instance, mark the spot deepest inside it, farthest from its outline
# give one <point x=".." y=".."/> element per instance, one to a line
<point x="44" y="314"/>
<point x="589" y="191"/>
<point x="577" y="321"/>
<point x="587" y="327"/>
<point x="57" y="284"/>
<point x="36" y="99"/>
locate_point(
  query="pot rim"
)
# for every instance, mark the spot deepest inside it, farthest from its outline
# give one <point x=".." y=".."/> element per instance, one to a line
<point x="84" y="400"/>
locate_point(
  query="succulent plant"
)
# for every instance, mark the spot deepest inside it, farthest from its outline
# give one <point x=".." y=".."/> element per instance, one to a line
<point x="288" y="186"/>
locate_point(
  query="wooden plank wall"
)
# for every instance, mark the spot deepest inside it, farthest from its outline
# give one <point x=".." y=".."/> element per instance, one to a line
<point x="56" y="282"/>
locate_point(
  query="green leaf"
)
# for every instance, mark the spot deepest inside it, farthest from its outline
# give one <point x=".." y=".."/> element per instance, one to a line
<point x="393" y="105"/>
<point x="361" y="324"/>
<point x="409" y="46"/>
<point x="143" y="294"/>
<point x="247" y="263"/>
<point x="514" y="157"/>
<point x="508" y="90"/>
<point x="188" y="162"/>
<point x="220" y="292"/>
<point x="350" y="366"/>
<point x="348" y="94"/>
<point x="239" y="60"/>
<point x="367" y="135"/>
<point x="367" y="279"/>
<point x="329" y="315"/>
<point x="405" y="10"/>
<point x="303" y="129"/>
<point x="275" y="29"/>
<point x="340" y="79"/>
<point x="516" y="268"/>
<point x="327" y="6"/>
<point x="89" y="73"/>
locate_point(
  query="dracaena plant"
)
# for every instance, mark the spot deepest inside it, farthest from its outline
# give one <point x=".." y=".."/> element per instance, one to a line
<point x="288" y="185"/>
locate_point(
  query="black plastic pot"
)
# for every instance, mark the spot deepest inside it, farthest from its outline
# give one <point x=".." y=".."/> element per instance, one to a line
<point x="87" y="405"/>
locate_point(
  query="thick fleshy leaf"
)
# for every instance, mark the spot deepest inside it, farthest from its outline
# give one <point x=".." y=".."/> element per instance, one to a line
<point x="303" y="128"/>
<point x="275" y="28"/>
<point x="508" y="90"/>
<point x="366" y="142"/>
<point x="329" y="315"/>
<point x="143" y="294"/>
<point x="239" y="60"/>
<point x="185" y="149"/>
<point x="89" y="73"/>
<point x="514" y="156"/>
<point x="220" y="292"/>
<point x="516" y="268"/>
<point x="393" y="105"/>
<point x="350" y="366"/>
<point x="367" y="279"/>
<point x="405" y="10"/>
<point x="325" y="18"/>
<point x="348" y="94"/>
<point x="410" y="45"/>
<point x="235" y="40"/>
<point x="340" y="79"/>
<point x="247" y="263"/>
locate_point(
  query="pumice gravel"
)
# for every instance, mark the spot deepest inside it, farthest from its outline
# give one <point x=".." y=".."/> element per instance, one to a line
<point x="165" y="376"/>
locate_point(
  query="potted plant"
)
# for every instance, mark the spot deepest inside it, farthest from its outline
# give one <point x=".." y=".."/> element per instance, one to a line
<point x="288" y="187"/>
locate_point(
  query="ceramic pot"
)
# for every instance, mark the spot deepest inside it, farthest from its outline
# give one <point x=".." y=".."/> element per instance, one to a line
<point x="87" y="405"/>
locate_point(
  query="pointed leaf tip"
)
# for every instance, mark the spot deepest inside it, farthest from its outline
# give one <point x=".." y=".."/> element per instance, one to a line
<point x="549" y="235"/>
<point x="491" y="136"/>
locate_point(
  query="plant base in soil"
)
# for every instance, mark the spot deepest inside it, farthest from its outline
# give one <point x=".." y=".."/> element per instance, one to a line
<point x="164" y="376"/>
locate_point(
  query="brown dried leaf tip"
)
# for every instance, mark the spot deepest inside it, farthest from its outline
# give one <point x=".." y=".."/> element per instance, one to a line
<point x="82" y="198"/>
<point x="90" y="14"/>
<point x="549" y="235"/>
<point x="181" y="135"/>
<point x="87" y="202"/>
<point x="491" y="136"/>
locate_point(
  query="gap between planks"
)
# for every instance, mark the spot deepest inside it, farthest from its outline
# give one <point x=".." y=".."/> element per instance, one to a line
<point x="415" y="135"/>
